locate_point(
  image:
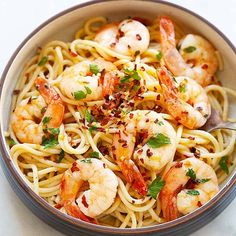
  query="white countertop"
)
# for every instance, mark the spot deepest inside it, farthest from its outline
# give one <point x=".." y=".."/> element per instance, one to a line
<point x="17" y="20"/>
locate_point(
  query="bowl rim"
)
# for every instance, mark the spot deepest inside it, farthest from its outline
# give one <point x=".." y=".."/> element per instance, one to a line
<point x="77" y="222"/>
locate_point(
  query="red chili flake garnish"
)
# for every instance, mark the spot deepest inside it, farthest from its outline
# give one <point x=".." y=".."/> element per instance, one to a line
<point x="142" y="68"/>
<point x="84" y="202"/>
<point x="129" y="46"/>
<point x="133" y="201"/>
<point x="204" y="66"/>
<point x="140" y="151"/>
<point x="104" y="150"/>
<point x="125" y="145"/>
<point x="190" y="184"/>
<point x="104" y="165"/>
<point x="58" y="206"/>
<point x="141" y="159"/>
<point x="89" y="73"/>
<point x="131" y="115"/>
<point x="211" y="150"/>
<point x="191" y="138"/>
<point x="199" y="204"/>
<point x="149" y="153"/>
<point x="73" y="54"/>
<point x="147" y="120"/>
<point x="16" y="91"/>
<point x="138" y="37"/>
<point x="121" y="33"/>
<point x="112" y="45"/>
<point x="184" y="112"/>
<point x="120" y="141"/>
<point x="74" y="167"/>
<point x="177" y="118"/>
<point x="178" y="164"/>
<point x="191" y="61"/>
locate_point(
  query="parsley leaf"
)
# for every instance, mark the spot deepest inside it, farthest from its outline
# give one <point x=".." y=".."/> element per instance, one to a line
<point x="182" y="87"/>
<point x="155" y="187"/>
<point x="158" y="141"/>
<point x="130" y="74"/>
<point x="202" y="180"/>
<point x="189" y="49"/>
<point x="94" y="69"/>
<point x="125" y="79"/>
<point x="11" y="142"/>
<point x="160" y="123"/>
<point x="61" y="156"/>
<point x="190" y="173"/>
<point x="46" y="119"/>
<point x="223" y="164"/>
<point x="86" y="160"/>
<point x="136" y="87"/>
<point x="193" y="192"/>
<point x="49" y="142"/>
<point x="88" y="90"/>
<point x="94" y="155"/>
<point x="54" y="131"/>
<point x="159" y="56"/>
<point x="79" y="95"/>
<point x="92" y="128"/>
<point x="43" y="61"/>
<point x="88" y="116"/>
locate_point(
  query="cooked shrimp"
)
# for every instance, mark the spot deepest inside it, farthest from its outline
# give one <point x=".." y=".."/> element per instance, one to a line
<point x="185" y="100"/>
<point x="145" y="125"/>
<point x="92" y="85"/>
<point x="103" y="185"/>
<point x="196" y="58"/>
<point x="176" y="200"/>
<point x="24" y="118"/>
<point x="127" y="37"/>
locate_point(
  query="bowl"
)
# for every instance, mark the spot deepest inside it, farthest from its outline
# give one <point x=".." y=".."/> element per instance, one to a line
<point x="63" y="26"/>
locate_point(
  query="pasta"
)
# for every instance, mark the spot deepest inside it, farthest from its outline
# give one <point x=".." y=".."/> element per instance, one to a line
<point x="90" y="121"/>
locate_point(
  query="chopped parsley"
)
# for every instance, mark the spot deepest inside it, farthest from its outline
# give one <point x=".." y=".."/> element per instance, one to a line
<point x="182" y="88"/>
<point x="159" y="56"/>
<point x="94" y="155"/>
<point x="54" y="131"/>
<point x="136" y="87"/>
<point x="61" y="156"/>
<point x="155" y="187"/>
<point x="158" y="141"/>
<point x="189" y="49"/>
<point x="43" y="61"/>
<point x="86" y="160"/>
<point x="88" y="90"/>
<point x="49" y="142"/>
<point x="190" y="173"/>
<point x="160" y="123"/>
<point x="79" y="95"/>
<point x="94" y="69"/>
<point x="202" y="180"/>
<point x="11" y="142"/>
<point x="46" y="119"/>
<point x="88" y="116"/>
<point x="130" y="74"/>
<point x="223" y="164"/>
<point x="92" y="128"/>
<point x="193" y="192"/>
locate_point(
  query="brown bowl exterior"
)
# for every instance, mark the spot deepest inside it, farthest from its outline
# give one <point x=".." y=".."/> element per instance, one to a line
<point x="72" y="226"/>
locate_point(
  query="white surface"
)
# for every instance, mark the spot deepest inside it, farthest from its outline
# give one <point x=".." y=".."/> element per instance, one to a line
<point x="17" y="20"/>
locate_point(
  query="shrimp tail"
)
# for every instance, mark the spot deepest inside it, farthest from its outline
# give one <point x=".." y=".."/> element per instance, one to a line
<point x="73" y="210"/>
<point x="133" y="176"/>
<point x="167" y="31"/>
<point x="56" y="107"/>
<point x="108" y="80"/>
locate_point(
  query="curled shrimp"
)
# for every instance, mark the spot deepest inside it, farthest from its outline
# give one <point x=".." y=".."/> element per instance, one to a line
<point x="29" y="111"/>
<point x="185" y="99"/>
<point x="191" y="172"/>
<point x="88" y="204"/>
<point x="143" y="125"/>
<point x="127" y="37"/>
<point x="93" y="80"/>
<point x="196" y="58"/>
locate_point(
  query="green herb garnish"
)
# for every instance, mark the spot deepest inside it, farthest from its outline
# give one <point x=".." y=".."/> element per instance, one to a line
<point x="223" y="164"/>
<point x="11" y="142"/>
<point x="49" y="142"/>
<point x="88" y="116"/>
<point x="155" y="187"/>
<point x="43" y="61"/>
<point x="92" y="128"/>
<point x="189" y="49"/>
<point x="94" y="69"/>
<point x="202" y="180"/>
<point x="190" y="173"/>
<point x="158" y="141"/>
<point x="79" y="95"/>
<point x="130" y="74"/>
<point x="54" y="131"/>
<point x="193" y="192"/>
<point x="182" y="87"/>
<point x="88" y="90"/>
<point x="159" y="56"/>
<point x="61" y="156"/>
<point x="46" y="119"/>
<point x="136" y="87"/>
<point x="160" y="123"/>
<point x="94" y="155"/>
<point x="86" y="160"/>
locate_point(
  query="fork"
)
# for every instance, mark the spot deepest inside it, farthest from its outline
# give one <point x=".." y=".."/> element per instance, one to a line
<point x="215" y="122"/>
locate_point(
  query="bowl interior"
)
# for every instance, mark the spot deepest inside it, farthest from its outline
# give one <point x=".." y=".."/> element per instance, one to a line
<point x="63" y="27"/>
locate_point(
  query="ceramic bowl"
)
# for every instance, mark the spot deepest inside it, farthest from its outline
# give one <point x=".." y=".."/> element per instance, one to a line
<point x="63" y="26"/>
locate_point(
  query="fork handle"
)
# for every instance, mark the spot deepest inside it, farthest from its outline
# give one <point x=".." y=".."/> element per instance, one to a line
<point x="226" y="125"/>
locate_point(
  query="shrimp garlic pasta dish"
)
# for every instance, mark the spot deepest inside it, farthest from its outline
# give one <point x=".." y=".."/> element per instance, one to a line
<point x="107" y="128"/>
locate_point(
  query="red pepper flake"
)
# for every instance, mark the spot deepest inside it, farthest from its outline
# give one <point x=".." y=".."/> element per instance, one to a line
<point x="89" y="73"/>
<point x="199" y="204"/>
<point x="112" y="45"/>
<point x="58" y="206"/>
<point x="84" y="202"/>
<point x="191" y="138"/>
<point x="74" y="167"/>
<point x="179" y="164"/>
<point x="129" y="47"/>
<point x="142" y="68"/>
<point x="140" y="151"/>
<point x="125" y="145"/>
<point x="16" y="91"/>
<point x="204" y="66"/>
<point x="149" y="153"/>
<point x="141" y="159"/>
<point x="73" y="54"/>
<point x="131" y="115"/>
<point x="138" y="37"/>
<point x="104" y="165"/>
<point x="147" y="120"/>
<point x="158" y="97"/>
